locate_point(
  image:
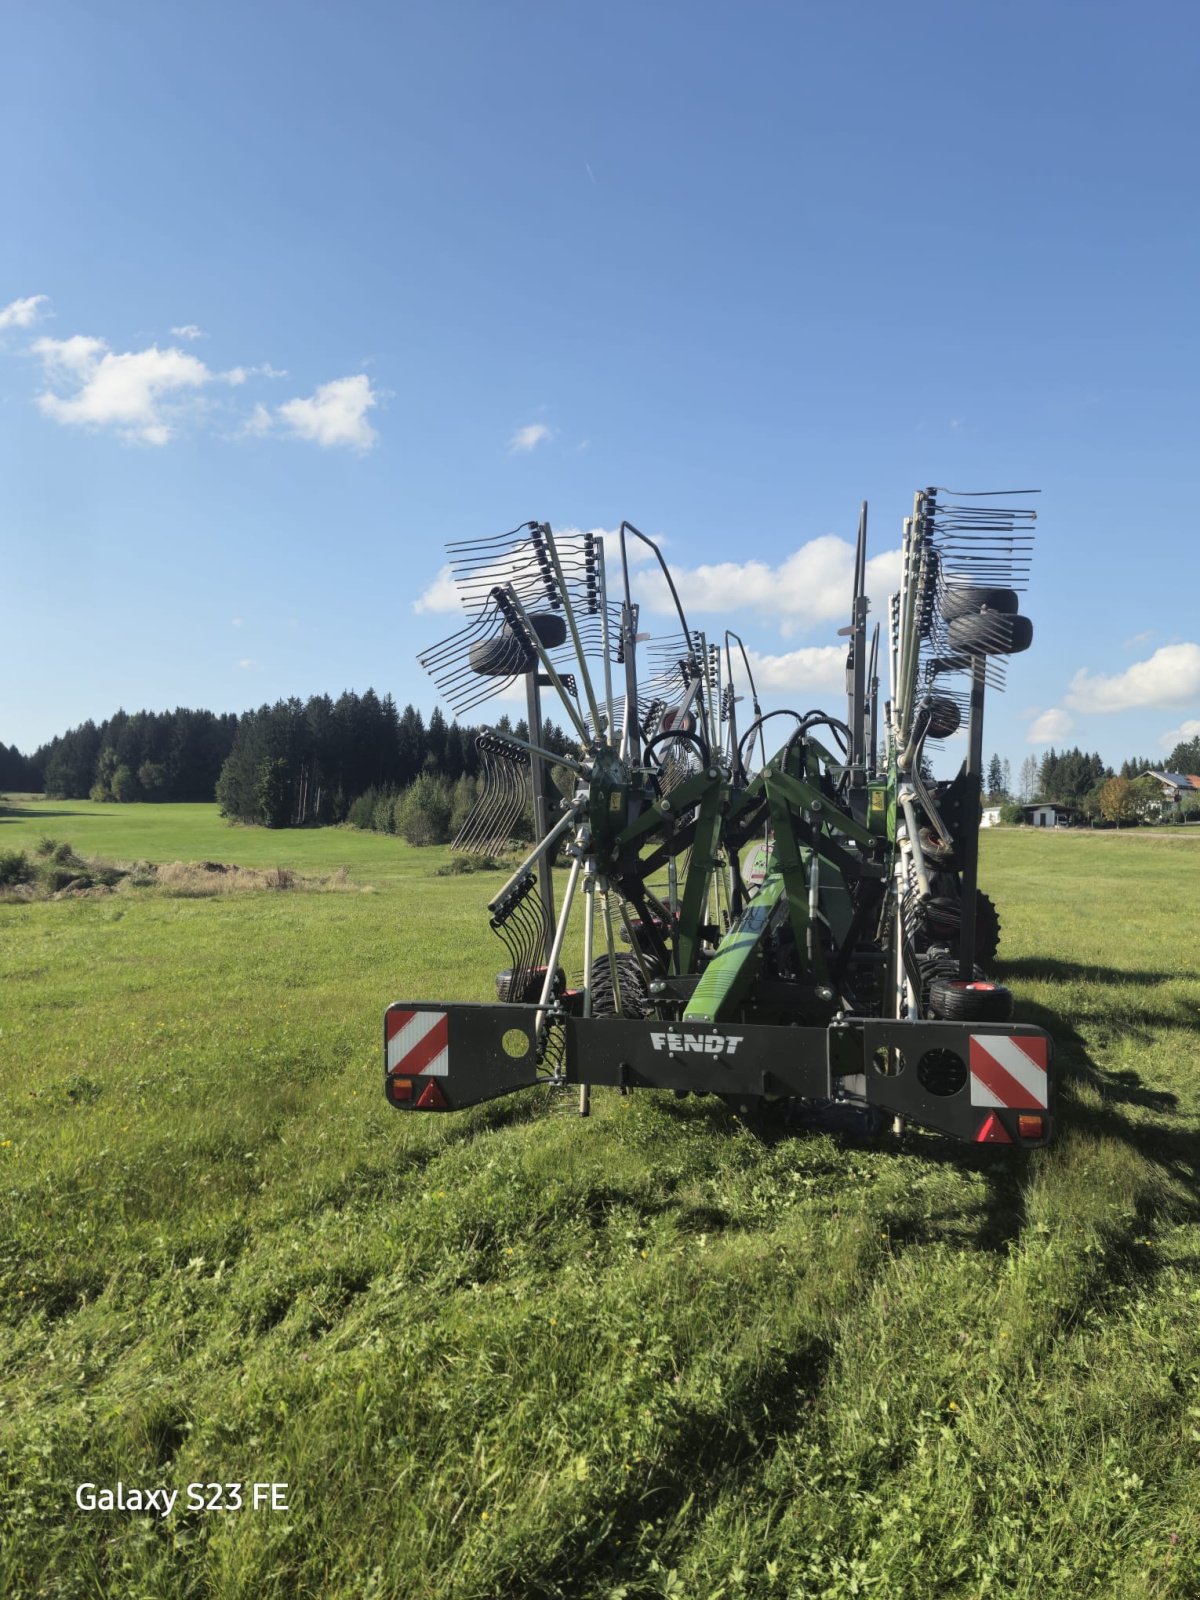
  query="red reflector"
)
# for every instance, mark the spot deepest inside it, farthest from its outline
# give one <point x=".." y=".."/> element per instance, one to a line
<point x="400" y="1088"/>
<point x="1031" y="1127"/>
<point x="432" y="1098"/>
<point x="993" y="1131"/>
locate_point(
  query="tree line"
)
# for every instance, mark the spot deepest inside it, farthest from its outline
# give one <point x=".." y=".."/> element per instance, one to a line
<point x="360" y="759"/>
<point x="357" y="759"/>
<point x="140" y="755"/>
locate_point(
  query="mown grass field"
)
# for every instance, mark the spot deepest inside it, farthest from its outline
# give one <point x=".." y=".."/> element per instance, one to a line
<point x="510" y="1353"/>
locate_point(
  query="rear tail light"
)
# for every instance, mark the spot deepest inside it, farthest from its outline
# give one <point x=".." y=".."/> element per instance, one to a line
<point x="1031" y="1127"/>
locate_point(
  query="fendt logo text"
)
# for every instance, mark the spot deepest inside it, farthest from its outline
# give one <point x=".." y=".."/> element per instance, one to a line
<point x="704" y="1044"/>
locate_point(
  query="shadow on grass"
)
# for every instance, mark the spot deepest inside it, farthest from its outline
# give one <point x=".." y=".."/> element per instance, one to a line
<point x="708" y="1452"/>
<point x="1045" y="969"/>
<point x="23" y="814"/>
<point x="1171" y="1147"/>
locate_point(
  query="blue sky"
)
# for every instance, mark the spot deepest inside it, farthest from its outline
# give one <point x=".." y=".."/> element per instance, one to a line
<point x="293" y="294"/>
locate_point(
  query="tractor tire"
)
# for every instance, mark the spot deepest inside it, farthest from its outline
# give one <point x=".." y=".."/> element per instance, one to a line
<point x="635" y="1001"/>
<point x="506" y="655"/>
<point x="957" y="1000"/>
<point x="965" y="600"/>
<point x="990" y="633"/>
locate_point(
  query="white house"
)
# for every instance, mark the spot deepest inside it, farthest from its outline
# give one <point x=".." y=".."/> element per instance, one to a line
<point x="1047" y="815"/>
<point x="1176" y="787"/>
<point x="990" y="817"/>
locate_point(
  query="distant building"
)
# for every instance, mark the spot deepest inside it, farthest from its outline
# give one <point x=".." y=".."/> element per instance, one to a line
<point x="1176" y="787"/>
<point x="990" y="818"/>
<point x="1047" y="814"/>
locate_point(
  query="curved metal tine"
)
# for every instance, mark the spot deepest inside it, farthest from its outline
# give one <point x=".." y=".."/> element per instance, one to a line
<point x="569" y="613"/>
<point x="547" y="664"/>
<point x="605" y="649"/>
<point x="539" y="750"/>
<point x="563" y="825"/>
<point x="754" y="702"/>
<point x="506" y="787"/>
<point x="666" y="572"/>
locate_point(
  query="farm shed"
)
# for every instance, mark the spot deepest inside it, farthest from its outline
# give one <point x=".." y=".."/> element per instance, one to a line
<point x="1048" y="815"/>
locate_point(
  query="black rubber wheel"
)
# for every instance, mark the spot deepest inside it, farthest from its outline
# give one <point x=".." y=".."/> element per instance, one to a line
<point x="957" y="1000"/>
<point x="944" y="718"/>
<point x="965" y="600"/>
<point x="506" y="655"/>
<point x="635" y="1002"/>
<point x="990" y="633"/>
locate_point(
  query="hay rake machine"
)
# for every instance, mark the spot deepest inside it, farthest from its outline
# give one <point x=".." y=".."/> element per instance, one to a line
<point x="802" y="929"/>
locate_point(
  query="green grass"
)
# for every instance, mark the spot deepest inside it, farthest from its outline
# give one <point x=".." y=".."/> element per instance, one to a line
<point x="511" y="1353"/>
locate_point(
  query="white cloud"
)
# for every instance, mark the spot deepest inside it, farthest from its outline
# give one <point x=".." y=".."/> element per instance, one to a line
<point x="23" y="313"/>
<point x="1185" y="732"/>
<point x="336" y="414"/>
<point x="811" y="585"/>
<point x="237" y="622"/>
<point x="809" y="672"/>
<point x="1170" y="675"/>
<point x="1049" y="726"/>
<point x="131" y="391"/>
<point x="526" y="439"/>
<point x="441" y="595"/>
<point x="143" y="395"/>
<point x="246" y="661"/>
<point x="259" y="423"/>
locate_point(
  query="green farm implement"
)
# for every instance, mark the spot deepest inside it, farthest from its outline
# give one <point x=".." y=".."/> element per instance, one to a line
<point x="802" y="928"/>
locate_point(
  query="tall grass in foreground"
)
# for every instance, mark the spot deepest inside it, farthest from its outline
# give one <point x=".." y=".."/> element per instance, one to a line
<point x="512" y="1353"/>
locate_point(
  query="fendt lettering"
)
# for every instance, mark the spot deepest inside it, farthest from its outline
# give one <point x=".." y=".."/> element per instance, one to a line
<point x="707" y="1044"/>
<point x="801" y="930"/>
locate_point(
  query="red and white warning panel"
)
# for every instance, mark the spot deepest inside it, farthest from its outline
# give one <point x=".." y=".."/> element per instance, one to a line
<point x="447" y="1056"/>
<point x="418" y="1043"/>
<point x="1011" y="1071"/>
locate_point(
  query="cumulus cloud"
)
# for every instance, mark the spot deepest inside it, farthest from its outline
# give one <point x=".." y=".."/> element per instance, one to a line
<point x="89" y="385"/>
<point x="441" y="595"/>
<point x="1050" y="726"/>
<point x="1169" y="676"/>
<point x="1183" y="734"/>
<point x="811" y="585"/>
<point x="527" y="439"/>
<point x="145" y="395"/>
<point x="808" y="673"/>
<point x="336" y="414"/>
<point x="23" y="313"/>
